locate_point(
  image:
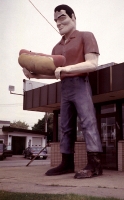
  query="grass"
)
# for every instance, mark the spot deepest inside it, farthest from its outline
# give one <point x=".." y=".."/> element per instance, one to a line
<point x="28" y="196"/>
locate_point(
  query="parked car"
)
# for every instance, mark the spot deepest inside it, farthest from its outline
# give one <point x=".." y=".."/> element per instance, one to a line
<point x="4" y="152"/>
<point x="31" y="152"/>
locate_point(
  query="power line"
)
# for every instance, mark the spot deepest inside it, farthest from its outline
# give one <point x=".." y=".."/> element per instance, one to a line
<point x="43" y="16"/>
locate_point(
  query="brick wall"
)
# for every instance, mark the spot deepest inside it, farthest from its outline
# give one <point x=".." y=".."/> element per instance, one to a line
<point x="121" y="155"/>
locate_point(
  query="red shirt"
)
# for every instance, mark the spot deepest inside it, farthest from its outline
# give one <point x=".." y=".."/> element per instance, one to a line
<point x="79" y="44"/>
<point x="74" y="50"/>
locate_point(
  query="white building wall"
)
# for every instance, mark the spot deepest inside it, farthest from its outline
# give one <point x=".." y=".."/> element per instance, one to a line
<point x="9" y="140"/>
<point x="31" y="139"/>
<point x="28" y="141"/>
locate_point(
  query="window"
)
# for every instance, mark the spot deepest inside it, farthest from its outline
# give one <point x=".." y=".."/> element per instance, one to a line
<point x="108" y="108"/>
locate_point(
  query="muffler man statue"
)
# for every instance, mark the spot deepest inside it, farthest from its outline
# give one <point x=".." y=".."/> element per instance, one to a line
<point x="79" y="51"/>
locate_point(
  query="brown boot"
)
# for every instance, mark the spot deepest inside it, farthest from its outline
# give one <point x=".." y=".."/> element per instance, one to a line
<point x="93" y="168"/>
<point x="66" y="166"/>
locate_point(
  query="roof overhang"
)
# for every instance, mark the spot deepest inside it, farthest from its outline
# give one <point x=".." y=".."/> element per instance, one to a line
<point x="107" y="84"/>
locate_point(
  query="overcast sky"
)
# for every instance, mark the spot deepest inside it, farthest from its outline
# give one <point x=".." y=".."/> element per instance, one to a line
<point x="21" y="26"/>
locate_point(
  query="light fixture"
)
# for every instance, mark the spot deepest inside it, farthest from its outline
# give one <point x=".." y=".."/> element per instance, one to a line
<point x="12" y="88"/>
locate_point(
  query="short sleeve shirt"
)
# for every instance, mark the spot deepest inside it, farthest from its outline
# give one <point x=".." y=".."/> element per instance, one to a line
<point x="74" y="50"/>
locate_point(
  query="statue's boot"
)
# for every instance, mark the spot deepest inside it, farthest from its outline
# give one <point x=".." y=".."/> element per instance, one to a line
<point x="66" y="166"/>
<point x="93" y="167"/>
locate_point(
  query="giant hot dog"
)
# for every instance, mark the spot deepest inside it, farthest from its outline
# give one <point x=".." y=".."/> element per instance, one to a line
<point x="40" y="63"/>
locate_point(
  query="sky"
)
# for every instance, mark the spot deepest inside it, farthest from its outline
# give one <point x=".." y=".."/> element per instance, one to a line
<point x="22" y="27"/>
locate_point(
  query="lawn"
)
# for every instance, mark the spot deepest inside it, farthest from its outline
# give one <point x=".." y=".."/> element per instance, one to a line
<point x="28" y="196"/>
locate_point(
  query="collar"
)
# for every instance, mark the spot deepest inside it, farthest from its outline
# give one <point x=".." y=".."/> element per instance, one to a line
<point x="73" y="35"/>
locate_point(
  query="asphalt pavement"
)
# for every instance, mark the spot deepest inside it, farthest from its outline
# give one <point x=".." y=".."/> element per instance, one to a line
<point x="15" y="176"/>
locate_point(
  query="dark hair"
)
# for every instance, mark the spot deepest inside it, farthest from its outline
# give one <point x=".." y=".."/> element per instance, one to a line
<point x="68" y="10"/>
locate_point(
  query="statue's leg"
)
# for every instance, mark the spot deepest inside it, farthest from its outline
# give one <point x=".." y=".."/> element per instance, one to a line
<point x="86" y="113"/>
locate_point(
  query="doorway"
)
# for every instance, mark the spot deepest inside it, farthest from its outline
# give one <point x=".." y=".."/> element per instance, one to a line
<point x="109" y="141"/>
<point x="18" y="145"/>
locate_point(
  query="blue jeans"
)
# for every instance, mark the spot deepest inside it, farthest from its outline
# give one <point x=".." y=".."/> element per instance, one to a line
<point x="76" y="99"/>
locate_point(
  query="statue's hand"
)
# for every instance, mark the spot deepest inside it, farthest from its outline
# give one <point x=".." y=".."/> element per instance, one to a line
<point x="27" y="73"/>
<point x="58" y="72"/>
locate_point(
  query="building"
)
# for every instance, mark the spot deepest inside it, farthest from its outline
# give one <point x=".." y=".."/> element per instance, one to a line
<point x="108" y="96"/>
<point x="17" y="139"/>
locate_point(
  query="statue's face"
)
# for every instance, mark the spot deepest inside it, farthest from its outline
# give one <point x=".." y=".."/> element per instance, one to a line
<point x="65" y="24"/>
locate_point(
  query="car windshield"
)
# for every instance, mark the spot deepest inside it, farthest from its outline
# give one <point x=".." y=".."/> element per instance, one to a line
<point x="36" y="148"/>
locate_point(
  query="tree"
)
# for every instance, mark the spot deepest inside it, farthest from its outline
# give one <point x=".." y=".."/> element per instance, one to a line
<point x="19" y="124"/>
<point x="40" y="126"/>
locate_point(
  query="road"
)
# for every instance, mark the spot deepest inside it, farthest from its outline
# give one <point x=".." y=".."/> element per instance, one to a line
<point x="19" y="160"/>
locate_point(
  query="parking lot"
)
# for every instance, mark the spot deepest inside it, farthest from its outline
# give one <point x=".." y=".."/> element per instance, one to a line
<point x="19" y="160"/>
